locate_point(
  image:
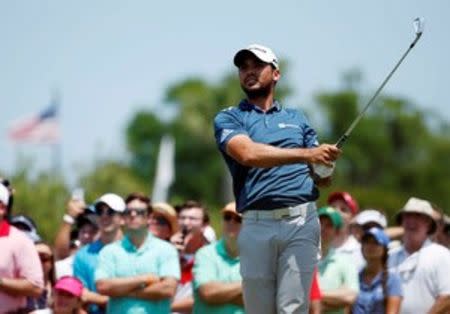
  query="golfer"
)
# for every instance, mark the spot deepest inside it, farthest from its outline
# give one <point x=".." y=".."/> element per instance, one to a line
<point x="268" y="150"/>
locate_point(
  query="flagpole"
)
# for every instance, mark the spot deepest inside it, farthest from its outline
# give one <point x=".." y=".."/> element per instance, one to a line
<point x="57" y="145"/>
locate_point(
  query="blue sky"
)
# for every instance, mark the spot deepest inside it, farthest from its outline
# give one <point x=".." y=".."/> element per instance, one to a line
<point x="111" y="58"/>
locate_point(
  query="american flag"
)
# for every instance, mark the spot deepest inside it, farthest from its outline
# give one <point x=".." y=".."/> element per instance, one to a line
<point x="39" y="128"/>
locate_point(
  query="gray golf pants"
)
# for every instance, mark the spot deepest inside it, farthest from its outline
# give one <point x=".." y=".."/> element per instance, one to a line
<point x="278" y="257"/>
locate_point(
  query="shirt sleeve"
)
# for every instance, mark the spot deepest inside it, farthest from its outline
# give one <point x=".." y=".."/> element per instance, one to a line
<point x="394" y="285"/>
<point x="204" y="270"/>
<point x="27" y="261"/>
<point x="442" y="268"/>
<point x="105" y="267"/>
<point x="170" y="263"/>
<point x="226" y="126"/>
<point x="309" y="134"/>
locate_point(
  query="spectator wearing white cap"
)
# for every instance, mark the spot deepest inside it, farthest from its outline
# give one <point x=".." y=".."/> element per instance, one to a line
<point x="422" y="265"/>
<point x="108" y="208"/>
<point x="269" y="150"/>
<point x="21" y="273"/>
<point x="367" y="219"/>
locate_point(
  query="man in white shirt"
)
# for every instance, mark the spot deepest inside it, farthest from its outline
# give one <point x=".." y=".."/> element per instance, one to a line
<point x="422" y="265"/>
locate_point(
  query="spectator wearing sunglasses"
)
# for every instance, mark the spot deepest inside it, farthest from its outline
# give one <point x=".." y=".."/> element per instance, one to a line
<point x="423" y="266"/>
<point x="163" y="221"/>
<point x="20" y="270"/>
<point x="217" y="281"/>
<point x="139" y="273"/>
<point x="108" y="209"/>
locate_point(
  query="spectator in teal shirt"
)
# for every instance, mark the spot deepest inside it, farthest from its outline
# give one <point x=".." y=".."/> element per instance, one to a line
<point x="217" y="281"/>
<point x="338" y="276"/>
<point x="139" y="273"/>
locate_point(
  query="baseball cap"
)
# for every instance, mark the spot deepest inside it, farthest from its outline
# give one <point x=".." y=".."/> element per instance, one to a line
<point x="4" y="194"/>
<point x="27" y="225"/>
<point x="371" y="215"/>
<point x="379" y="235"/>
<point x="418" y="206"/>
<point x="86" y="218"/>
<point x="169" y="213"/>
<point x="333" y="214"/>
<point x="261" y="52"/>
<point x="346" y="198"/>
<point x="113" y="201"/>
<point x="70" y="284"/>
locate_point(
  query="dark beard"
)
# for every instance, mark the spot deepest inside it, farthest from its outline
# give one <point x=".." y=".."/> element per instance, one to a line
<point x="261" y="92"/>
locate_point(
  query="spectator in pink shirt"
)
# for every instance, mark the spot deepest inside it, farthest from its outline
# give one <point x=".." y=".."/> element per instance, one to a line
<point x="20" y="269"/>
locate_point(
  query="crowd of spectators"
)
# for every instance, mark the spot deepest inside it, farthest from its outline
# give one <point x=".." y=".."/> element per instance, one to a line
<point x="129" y="255"/>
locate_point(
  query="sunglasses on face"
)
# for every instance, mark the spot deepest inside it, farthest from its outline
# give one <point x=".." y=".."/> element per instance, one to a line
<point x="101" y="211"/>
<point x="230" y="217"/>
<point x="138" y="211"/>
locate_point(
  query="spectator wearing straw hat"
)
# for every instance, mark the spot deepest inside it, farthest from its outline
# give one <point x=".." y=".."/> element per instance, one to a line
<point x="422" y="265"/>
<point x="163" y="221"/>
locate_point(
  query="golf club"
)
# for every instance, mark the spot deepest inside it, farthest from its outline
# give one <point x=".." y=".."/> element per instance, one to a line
<point x="325" y="171"/>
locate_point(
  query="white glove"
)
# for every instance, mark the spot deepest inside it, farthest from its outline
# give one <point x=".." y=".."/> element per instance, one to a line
<point x="323" y="171"/>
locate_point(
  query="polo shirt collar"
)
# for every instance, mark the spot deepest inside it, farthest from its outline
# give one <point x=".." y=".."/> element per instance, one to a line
<point x="96" y="246"/>
<point x="129" y="246"/>
<point x="222" y="251"/>
<point x="4" y="228"/>
<point x="245" y="105"/>
<point x="375" y="281"/>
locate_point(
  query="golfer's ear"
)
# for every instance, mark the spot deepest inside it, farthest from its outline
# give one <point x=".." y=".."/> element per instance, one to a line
<point x="276" y="75"/>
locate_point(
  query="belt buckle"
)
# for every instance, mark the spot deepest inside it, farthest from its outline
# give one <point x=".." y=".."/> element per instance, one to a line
<point x="284" y="213"/>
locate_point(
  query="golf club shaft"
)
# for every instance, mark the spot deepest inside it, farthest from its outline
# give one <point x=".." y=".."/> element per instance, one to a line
<point x="345" y="136"/>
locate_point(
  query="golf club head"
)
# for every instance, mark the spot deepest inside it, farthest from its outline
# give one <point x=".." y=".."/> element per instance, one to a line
<point x="419" y="24"/>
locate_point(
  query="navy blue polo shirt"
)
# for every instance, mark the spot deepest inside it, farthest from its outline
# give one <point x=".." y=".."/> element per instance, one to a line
<point x="267" y="188"/>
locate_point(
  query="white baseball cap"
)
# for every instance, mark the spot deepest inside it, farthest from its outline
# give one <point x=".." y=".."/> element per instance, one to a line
<point x="263" y="53"/>
<point x="114" y="201"/>
<point x="371" y="215"/>
<point x="418" y="206"/>
<point x="4" y="195"/>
